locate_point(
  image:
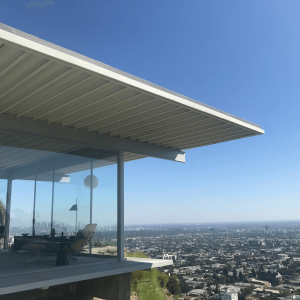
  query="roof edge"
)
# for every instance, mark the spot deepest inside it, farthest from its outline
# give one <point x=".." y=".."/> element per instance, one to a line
<point x="36" y="44"/>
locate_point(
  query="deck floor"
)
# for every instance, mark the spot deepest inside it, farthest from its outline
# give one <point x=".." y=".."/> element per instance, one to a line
<point x="16" y="275"/>
<point x="15" y="263"/>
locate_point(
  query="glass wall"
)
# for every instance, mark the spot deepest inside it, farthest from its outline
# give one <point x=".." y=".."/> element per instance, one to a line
<point x="71" y="209"/>
<point x="73" y="193"/>
<point x="43" y="203"/>
<point x="21" y="211"/>
<point x="104" y="210"/>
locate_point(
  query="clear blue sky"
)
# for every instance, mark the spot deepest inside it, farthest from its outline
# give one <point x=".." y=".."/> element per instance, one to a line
<point x="239" y="56"/>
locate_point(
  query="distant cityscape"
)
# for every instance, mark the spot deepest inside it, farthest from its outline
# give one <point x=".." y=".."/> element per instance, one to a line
<point x="229" y="261"/>
<point x="220" y="261"/>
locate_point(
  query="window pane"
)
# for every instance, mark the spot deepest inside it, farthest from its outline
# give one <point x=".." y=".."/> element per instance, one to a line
<point x="43" y="203"/>
<point x="105" y="210"/>
<point x="71" y="210"/>
<point x="21" y="206"/>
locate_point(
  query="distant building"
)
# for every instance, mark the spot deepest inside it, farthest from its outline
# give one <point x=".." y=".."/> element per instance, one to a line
<point x="251" y="297"/>
<point x="167" y="256"/>
<point x="196" y="292"/>
<point x="263" y="283"/>
<point x="188" y="298"/>
<point x="228" y="295"/>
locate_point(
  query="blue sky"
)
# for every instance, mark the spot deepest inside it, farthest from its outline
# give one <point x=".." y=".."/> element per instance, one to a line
<point x="239" y="56"/>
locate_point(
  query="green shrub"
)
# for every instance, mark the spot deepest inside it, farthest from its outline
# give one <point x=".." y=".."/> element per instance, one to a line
<point x="136" y="254"/>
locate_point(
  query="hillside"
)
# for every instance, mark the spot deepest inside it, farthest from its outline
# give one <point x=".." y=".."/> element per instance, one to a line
<point x="149" y="285"/>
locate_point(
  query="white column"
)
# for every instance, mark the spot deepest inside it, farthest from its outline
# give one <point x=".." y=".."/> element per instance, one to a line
<point x="91" y="202"/>
<point x="7" y="213"/>
<point x="120" y="234"/>
<point x="91" y="195"/>
<point x="52" y="204"/>
<point x="33" y="215"/>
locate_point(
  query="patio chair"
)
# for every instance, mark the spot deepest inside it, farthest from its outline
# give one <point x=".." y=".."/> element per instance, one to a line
<point x="71" y="246"/>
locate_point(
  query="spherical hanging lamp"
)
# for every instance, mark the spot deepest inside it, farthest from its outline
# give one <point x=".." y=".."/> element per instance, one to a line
<point x="91" y="181"/>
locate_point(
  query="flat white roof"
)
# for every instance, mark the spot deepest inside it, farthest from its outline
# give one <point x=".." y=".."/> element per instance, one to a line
<point x="46" y="83"/>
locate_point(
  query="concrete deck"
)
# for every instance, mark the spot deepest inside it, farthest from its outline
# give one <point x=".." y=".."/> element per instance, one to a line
<point x="16" y="275"/>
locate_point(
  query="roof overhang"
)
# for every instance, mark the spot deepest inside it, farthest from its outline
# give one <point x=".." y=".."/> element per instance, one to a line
<point x="52" y="93"/>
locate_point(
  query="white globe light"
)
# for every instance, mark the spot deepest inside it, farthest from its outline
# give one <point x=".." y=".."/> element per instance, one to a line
<point x="91" y="180"/>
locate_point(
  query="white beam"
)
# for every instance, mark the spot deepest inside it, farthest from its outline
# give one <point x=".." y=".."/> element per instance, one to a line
<point x="71" y="136"/>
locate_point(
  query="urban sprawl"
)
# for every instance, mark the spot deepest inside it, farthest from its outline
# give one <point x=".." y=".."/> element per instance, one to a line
<point x="226" y="261"/>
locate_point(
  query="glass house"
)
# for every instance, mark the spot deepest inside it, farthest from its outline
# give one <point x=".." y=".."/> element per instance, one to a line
<point x="68" y="124"/>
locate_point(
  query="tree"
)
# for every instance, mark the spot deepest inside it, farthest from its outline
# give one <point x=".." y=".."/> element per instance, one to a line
<point x="2" y="213"/>
<point x="199" y="286"/>
<point x="162" y="283"/>
<point x="173" y="285"/>
<point x="205" y="296"/>
<point x="261" y="268"/>
<point x="253" y="272"/>
<point x="285" y="293"/>
<point x="209" y="290"/>
<point x="225" y="271"/>
<point x="185" y="288"/>
<point x="241" y="276"/>
<point x="235" y="274"/>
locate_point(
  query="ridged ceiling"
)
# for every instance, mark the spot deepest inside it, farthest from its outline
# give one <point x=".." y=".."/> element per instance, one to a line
<point x="48" y="88"/>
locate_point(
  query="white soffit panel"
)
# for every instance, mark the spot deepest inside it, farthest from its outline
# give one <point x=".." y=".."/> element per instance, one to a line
<point x="47" y="83"/>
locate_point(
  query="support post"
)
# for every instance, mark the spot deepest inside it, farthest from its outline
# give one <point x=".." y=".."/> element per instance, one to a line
<point x="33" y="215"/>
<point x="7" y="213"/>
<point x="52" y="204"/>
<point x="76" y="218"/>
<point x="120" y="234"/>
<point x="91" y="202"/>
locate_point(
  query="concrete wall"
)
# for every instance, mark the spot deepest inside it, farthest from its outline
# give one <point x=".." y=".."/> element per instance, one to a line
<point x="115" y="287"/>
